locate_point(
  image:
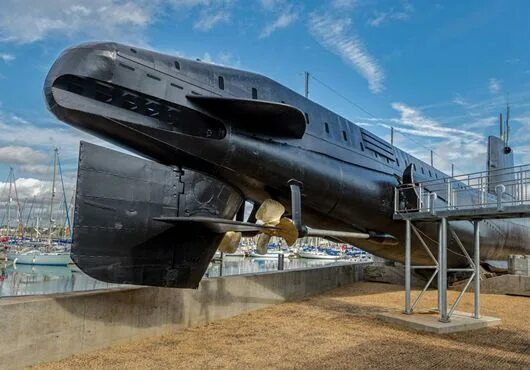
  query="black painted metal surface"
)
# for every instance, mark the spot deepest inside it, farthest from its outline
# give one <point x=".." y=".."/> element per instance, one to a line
<point x="116" y="237"/>
<point x="244" y="130"/>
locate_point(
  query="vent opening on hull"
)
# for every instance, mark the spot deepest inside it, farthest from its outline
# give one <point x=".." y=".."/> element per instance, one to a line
<point x="183" y="119"/>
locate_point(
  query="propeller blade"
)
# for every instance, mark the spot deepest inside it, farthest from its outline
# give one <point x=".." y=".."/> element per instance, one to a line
<point x="286" y="230"/>
<point x="270" y="212"/>
<point x="230" y="242"/>
<point x="263" y="243"/>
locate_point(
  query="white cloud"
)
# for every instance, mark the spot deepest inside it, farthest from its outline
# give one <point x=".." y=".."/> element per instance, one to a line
<point x="222" y="59"/>
<point x="284" y="19"/>
<point x="33" y="20"/>
<point x="462" y="145"/>
<point x="6" y="57"/>
<point x="271" y="4"/>
<point x="209" y="19"/>
<point x="344" y="4"/>
<point x="20" y="137"/>
<point x="334" y="33"/>
<point x="425" y="126"/>
<point x="381" y="17"/>
<point x="29" y="187"/>
<point x="20" y="155"/>
<point x="459" y="100"/>
<point x="466" y="149"/>
<point x="211" y="14"/>
<point x="36" y="169"/>
<point x="494" y="85"/>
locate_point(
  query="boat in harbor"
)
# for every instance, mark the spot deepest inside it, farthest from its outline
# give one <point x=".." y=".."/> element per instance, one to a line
<point x="38" y="257"/>
<point x="39" y="252"/>
<point x="321" y="254"/>
<point x="271" y="254"/>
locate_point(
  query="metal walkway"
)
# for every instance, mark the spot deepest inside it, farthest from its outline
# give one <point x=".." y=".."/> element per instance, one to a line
<point x="503" y="193"/>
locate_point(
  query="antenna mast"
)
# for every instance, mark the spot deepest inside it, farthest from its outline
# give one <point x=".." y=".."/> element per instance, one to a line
<point x="507" y="134"/>
<point x="306" y="85"/>
<point x="501" y="125"/>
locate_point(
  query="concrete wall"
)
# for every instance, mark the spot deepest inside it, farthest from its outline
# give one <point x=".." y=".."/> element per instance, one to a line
<point x="506" y="284"/>
<point x="519" y="265"/>
<point x="45" y="328"/>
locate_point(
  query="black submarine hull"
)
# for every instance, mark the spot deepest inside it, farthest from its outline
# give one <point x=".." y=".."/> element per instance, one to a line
<point x="149" y="103"/>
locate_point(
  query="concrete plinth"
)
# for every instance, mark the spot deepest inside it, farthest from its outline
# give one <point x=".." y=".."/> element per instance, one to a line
<point x="429" y="322"/>
<point x="44" y="328"/>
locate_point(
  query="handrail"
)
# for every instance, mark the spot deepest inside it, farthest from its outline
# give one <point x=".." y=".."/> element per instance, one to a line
<point x="497" y="188"/>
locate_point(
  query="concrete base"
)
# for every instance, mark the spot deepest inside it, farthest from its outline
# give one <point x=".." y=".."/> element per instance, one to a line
<point x="506" y="284"/>
<point x="429" y="322"/>
<point x="45" y="328"/>
<point x="390" y="274"/>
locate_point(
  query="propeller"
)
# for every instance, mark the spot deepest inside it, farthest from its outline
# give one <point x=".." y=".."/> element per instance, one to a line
<point x="230" y="242"/>
<point x="270" y="214"/>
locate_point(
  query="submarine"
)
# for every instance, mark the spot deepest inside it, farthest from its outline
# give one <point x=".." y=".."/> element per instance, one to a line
<point x="210" y="139"/>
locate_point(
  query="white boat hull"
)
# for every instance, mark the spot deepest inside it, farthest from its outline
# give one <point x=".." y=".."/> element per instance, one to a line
<point x="318" y="256"/>
<point x="268" y="255"/>
<point x="49" y="259"/>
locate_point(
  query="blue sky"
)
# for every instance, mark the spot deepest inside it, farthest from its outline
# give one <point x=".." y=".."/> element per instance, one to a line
<point x="438" y="72"/>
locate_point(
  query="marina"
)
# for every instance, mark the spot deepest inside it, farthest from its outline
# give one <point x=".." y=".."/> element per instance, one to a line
<point x="264" y="185"/>
<point x="19" y="279"/>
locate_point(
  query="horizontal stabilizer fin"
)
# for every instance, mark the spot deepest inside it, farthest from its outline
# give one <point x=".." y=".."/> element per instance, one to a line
<point x="215" y="224"/>
<point x="255" y="116"/>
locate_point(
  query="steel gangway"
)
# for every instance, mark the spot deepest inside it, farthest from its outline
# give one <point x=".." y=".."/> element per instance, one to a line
<point x="475" y="197"/>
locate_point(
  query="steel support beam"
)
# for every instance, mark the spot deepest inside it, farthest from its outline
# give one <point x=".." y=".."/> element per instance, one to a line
<point x="476" y="256"/>
<point x="408" y="269"/>
<point x="442" y="261"/>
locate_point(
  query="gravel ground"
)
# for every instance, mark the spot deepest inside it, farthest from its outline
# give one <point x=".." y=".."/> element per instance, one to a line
<point x="333" y="330"/>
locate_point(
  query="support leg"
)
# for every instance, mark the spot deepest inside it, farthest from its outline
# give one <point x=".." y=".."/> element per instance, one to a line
<point x="442" y="288"/>
<point x="476" y="257"/>
<point x="439" y="283"/>
<point x="408" y="247"/>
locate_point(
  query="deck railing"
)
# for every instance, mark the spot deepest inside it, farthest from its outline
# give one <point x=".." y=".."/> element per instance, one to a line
<point x="486" y="189"/>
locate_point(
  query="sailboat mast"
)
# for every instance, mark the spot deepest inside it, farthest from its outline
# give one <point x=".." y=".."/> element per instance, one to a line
<point x="55" y="153"/>
<point x="9" y="201"/>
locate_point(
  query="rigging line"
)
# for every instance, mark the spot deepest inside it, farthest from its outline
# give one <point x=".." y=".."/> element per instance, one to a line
<point x="16" y="197"/>
<point x="342" y="96"/>
<point x="64" y="193"/>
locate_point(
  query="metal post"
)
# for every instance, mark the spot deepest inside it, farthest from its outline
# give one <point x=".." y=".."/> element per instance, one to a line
<point x="449" y="195"/>
<point x="476" y="257"/>
<point x="432" y="158"/>
<point x="453" y="170"/>
<point x="442" y="288"/>
<point x="440" y="242"/>
<point x="306" y="84"/>
<point x="408" y="247"/>
<point x="392" y="135"/>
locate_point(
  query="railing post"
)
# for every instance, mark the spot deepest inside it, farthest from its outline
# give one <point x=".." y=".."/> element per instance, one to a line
<point x="476" y="257"/>
<point x="499" y="190"/>
<point x="408" y="268"/>
<point x="442" y="279"/>
<point x="434" y="197"/>
<point x="449" y="194"/>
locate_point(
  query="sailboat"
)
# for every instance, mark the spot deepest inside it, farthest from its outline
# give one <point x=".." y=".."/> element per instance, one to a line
<point x="48" y="255"/>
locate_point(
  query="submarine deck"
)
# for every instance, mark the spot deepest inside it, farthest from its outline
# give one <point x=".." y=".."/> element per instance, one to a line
<point x="338" y="329"/>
